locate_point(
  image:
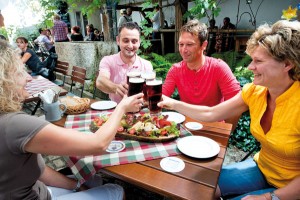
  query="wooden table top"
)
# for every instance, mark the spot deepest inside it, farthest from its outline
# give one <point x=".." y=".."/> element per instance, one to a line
<point x="199" y="178"/>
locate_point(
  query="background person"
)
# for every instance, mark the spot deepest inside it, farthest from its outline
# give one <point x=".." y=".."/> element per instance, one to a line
<point x="156" y="23"/>
<point x="59" y="30"/>
<point x="113" y="69"/>
<point x="29" y="57"/>
<point x="212" y="31"/>
<point x="75" y="34"/>
<point x="199" y="79"/>
<point x="273" y="100"/>
<point x="45" y="40"/>
<point x="24" y="138"/>
<point x="122" y="19"/>
<point x="90" y="35"/>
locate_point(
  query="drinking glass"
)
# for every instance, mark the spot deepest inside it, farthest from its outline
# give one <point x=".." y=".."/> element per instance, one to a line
<point x="133" y="73"/>
<point x="154" y="93"/>
<point x="135" y="85"/>
<point x="148" y="76"/>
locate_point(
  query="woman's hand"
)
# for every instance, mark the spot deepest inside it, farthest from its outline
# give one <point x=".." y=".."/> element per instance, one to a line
<point x="132" y="103"/>
<point x="167" y="103"/>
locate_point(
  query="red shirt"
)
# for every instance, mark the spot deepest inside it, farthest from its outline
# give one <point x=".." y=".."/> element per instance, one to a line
<point x="210" y="85"/>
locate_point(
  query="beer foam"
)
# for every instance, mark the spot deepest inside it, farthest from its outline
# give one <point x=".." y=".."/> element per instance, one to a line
<point x="136" y="80"/>
<point x="154" y="82"/>
<point x="148" y="76"/>
<point x="133" y="74"/>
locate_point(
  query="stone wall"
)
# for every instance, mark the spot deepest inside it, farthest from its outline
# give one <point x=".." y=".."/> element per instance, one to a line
<point x="85" y="54"/>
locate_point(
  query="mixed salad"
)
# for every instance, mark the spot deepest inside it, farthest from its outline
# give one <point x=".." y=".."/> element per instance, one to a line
<point x="141" y="125"/>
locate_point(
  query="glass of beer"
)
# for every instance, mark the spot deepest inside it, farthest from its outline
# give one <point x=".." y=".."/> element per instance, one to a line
<point x="135" y="85"/>
<point x="154" y="92"/>
<point x="132" y="74"/>
<point x="148" y="76"/>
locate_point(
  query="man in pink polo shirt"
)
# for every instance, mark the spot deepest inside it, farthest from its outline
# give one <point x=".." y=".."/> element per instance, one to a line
<point x="113" y="68"/>
<point x="199" y="79"/>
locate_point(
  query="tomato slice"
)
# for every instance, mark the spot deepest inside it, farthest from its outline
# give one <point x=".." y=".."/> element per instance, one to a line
<point x="162" y="123"/>
<point x="132" y="131"/>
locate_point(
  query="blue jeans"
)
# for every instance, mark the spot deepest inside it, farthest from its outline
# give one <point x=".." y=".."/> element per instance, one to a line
<point x="243" y="178"/>
<point x="96" y="191"/>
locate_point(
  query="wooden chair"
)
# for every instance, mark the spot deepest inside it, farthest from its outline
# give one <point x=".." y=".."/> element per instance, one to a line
<point x="78" y="76"/>
<point x="61" y="67"/>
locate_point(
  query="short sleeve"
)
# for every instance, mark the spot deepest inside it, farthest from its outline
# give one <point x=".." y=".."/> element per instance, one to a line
<point x="104" y="67"/>
<point x="19" y="129"/>
<point x="247" y="91"/>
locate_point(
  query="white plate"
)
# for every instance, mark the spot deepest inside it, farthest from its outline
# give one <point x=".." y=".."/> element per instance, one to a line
<point x="198" y="147"/>
<point x="174" y="116"/>
<point x="115" y="146"/>
<point x="172" y="164"/>
<point x="194" y="125"/>
<point x="103" y="105"/>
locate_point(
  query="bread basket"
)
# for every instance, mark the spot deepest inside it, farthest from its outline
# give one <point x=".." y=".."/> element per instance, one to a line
<point x="75" y="105"/>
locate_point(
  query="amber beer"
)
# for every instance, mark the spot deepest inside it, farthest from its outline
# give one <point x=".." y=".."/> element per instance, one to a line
<point x="154" y="92"/>
<point x="132" y="74"/>
<point x="148" y="76"/>
<point x="135" y="86"/>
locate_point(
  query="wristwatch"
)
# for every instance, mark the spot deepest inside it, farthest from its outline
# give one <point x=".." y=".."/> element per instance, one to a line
<point x="76" y="189"/>
<point x="273" y="196"/>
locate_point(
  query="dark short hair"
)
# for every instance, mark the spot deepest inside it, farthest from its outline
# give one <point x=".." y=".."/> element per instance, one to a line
<point x="131" y="26"/>
<point x="76" y="29"/>
<point x="41" y="30"/>
<point x="22" y="39"/>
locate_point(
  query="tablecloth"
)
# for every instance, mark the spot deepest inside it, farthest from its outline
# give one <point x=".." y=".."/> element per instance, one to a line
<point x="83" y="167"/>
<point x="37" y="85"/>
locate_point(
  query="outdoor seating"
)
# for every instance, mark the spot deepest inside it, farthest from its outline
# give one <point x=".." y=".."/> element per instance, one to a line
<point x="61" y="67"/>
<point x="78" y="76"/>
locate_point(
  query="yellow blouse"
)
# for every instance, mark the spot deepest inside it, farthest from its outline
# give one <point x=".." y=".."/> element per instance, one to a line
<point x="279" y="157"/>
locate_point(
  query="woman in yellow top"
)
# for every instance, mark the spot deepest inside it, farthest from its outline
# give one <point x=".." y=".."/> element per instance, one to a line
<point x="273" y="100"/>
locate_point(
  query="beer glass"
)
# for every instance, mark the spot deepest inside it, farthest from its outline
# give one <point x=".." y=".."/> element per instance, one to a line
<point x="135" y="86"/>
<point x="154" y="92"/>
<point x="148" y="76"/>
<point x="132" y="74"/>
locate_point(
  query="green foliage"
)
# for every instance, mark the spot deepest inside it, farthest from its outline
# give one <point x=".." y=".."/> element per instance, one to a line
<point x="204" y="8"/>
<point x="3" y="32"/>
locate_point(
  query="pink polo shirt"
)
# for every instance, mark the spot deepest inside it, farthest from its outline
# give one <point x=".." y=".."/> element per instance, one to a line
<point x="115" y="69"/>
<point x="210" y="85"/>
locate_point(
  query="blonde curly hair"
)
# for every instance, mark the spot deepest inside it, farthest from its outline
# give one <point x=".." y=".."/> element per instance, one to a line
<point x="282" y="41"/>
<point x="11" y="67"/>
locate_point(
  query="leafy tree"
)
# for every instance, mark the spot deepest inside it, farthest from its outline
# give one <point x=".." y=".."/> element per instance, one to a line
<point x="204" y="8"/>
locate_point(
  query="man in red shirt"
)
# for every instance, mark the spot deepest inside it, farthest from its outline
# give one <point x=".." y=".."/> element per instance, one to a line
<point x="199" y="79"/>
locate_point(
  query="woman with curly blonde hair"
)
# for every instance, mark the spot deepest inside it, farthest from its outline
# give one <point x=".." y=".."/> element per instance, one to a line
<point x="273" y="100"/>
<point x="23" y="138"/>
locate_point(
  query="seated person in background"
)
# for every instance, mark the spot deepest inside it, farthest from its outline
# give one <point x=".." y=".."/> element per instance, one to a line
<point x="227" y="38"/>
<point x="30" y="58"/>
<point x="97" y="35"/>
<point x="212" y="31"/>
<point x="75" y="34"/>
<point x="273" y="100"/>
<point x="24" y="138"/>
<point x="199" y="79"/>
<point x="45" y="40"/>
<point x="90" y="33"/>
<point x="122" y="19"/>
<point x="113" y="69"/>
